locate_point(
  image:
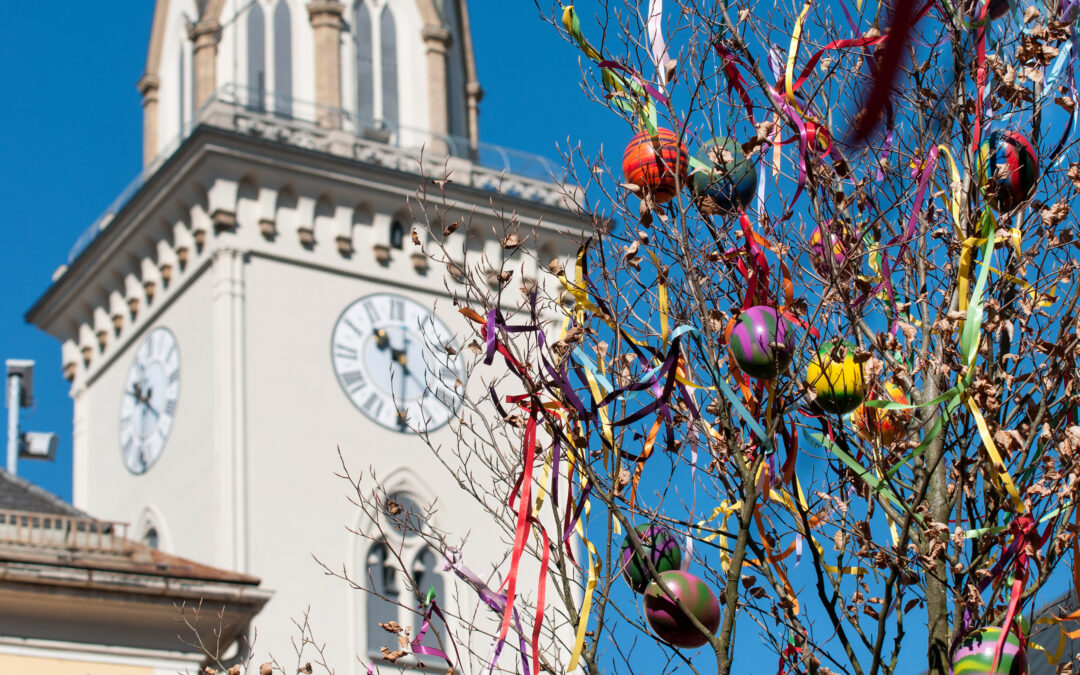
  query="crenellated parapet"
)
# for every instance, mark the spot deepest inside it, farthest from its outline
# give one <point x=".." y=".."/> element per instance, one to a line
<point x="227" y="190"/>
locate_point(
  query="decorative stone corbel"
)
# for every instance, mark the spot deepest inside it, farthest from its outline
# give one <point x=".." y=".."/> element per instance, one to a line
<point x="382" y="254"/>
<point x="224" y="221"/>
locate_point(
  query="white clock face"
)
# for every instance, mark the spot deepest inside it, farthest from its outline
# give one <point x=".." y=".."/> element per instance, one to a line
<point x="391" y="358"/>
<point x="149" y="400"/>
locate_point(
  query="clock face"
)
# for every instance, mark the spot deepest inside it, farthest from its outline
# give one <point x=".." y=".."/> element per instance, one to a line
<point x="149" y="400"/>
<point x="398" y="363"/>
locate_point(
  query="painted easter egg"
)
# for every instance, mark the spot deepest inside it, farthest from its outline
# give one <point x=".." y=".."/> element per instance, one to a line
<point x="1010" y="169"/>
<point x="838" y="381"/>
<point x="731" y="182"/>
<point x="657" y="164"/>
<point x="662" y="549"/>
<point x="842" y="241"/>
<point x="882" y="426"/>
<point x="669" y="622"/>
<point x="974" y="655"/>
<point x="756" y="341"/>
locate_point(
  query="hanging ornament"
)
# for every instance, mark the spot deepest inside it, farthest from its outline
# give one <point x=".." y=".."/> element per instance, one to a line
<point x="1009" y="170"/>
<point x="660" y="546"/>
<point x="974" y="655"/>
<point x="884" y="427"/>
<point x="656" y="164"/>
<point x="842" y="241"/>
<point x="996" y="10"/>
<point x="669" y="622"/>
<point x="730" y="184"/>
<point x="837" y="380"/>
<point x="762" y="342"/>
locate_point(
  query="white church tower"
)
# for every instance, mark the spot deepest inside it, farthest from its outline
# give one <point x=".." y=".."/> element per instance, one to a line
<point x="252" y="302"/>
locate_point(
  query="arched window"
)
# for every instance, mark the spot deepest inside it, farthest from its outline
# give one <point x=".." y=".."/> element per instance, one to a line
<point x="388" y="67"/>
<point x="282" y="59"/>
<point x="455" y="74"/>
<point x="397" y="235"/>
<point x="429" y="584"/>
<point x="151" y="538"/>
<point x="182" y="90"/>
<point x="365" y="75"/>
<point x="256" y="55"/>
<point x="382" y="602"/>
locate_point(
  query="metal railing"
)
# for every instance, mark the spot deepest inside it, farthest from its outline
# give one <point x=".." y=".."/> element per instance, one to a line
<point x="489" y="156"/>
<point x="312" y="115"/>
<point x="59" y="531"/>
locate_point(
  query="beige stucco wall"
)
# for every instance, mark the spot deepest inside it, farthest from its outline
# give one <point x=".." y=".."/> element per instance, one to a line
<point x="178" y="483"/>
<point x="34" y="665"/>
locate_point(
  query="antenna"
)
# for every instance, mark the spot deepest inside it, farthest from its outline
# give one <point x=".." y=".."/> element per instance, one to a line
<point x="20" y="394"/>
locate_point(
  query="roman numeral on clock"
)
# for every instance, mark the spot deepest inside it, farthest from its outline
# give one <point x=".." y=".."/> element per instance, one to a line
<point x="447" y="398"/>
<point x="354" y="380"/>
<point x="343" y="352"/>
<point x="372" y="313"/>
<point x="397" y="310"/>
<point x="170" y="407"/>
<point x="373" y="405"/>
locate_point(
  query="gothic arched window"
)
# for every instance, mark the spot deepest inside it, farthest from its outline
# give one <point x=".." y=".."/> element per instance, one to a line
<point x="381" y="603"/>
<point x="455" y="74"/>
<point x="365" y="74"/>
<point x="256" y="57"/>
<point x="151" y="538"/>
<point x="282" y="59"/>
<point x="388" y="66"/>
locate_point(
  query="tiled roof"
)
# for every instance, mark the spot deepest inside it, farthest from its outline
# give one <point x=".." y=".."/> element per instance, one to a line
<point x="17" y="494"/>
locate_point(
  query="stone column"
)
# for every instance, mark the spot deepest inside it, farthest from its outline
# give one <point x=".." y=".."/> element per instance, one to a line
<point x="474" y="93"/>
<point x="436" y="44"/>
<point x="230" y="409"/>
<point x="205" y="36"/>
<point x="326" y="23"/>
<point x="148" y="86"/>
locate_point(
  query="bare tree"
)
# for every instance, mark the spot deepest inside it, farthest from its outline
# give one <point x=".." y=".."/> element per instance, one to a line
<point x="826" y="314"/>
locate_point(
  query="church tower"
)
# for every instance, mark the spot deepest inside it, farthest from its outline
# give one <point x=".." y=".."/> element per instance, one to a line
<point x="255" y="300"/>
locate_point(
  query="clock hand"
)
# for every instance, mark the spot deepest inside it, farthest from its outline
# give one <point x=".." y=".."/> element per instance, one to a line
<point x="382" y="340"/>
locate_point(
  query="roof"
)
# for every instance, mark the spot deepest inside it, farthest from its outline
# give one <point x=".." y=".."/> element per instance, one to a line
<point x="37" y="527"/>
<point x="19" y="494"/>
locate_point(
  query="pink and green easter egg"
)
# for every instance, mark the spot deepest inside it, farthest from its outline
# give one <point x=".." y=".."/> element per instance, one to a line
<point x="669" y="622"/>
<point x="762" y="342"/>
<point x="661" y="548"/>
<point x="974" y="655"/>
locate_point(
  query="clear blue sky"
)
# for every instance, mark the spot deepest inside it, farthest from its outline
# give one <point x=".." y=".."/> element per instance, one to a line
<point x="72" y="138"/>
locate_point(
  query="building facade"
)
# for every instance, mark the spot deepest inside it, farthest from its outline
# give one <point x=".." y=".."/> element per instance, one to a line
<point x="258" y="299"/>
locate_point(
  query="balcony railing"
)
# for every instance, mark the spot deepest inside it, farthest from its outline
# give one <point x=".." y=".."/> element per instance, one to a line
<point x="59" y="531"/>
<point x="305" y="114"/>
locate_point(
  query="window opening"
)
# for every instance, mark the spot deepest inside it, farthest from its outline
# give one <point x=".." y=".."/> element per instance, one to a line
<point x="397" y="235"/>
<point x="256" y="58"/>
<point x="365" y="75"/>
<point x="282" y="59"/>
<point x="388" y="57"/>
<point x="381" y="604"/>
